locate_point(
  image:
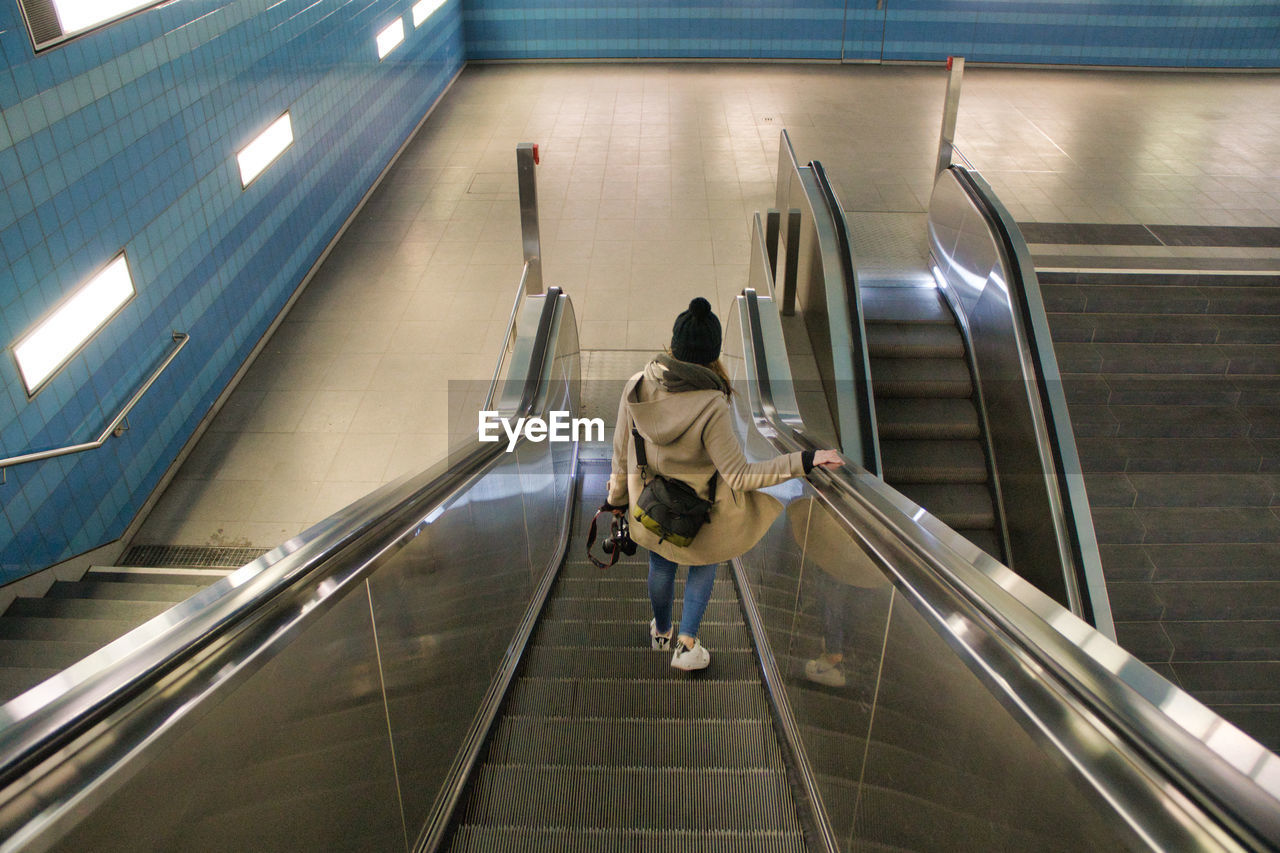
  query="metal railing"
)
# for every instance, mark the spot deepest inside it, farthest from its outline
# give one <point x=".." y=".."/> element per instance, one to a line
<point x="114" y="426"/>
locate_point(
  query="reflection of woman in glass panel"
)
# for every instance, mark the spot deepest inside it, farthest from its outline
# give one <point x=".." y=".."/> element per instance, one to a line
<point x="679" y="406"/>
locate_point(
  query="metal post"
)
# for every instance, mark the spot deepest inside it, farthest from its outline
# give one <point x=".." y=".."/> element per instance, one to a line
<point x="526" y="160"/>
<point x="771" y="225"/>
<point x="950" y="110"/>
<point x="791" y="274"/>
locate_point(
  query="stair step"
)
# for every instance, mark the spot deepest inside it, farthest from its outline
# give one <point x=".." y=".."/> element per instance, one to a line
<point x="632" y="797"/>
<point x="958" y="505"/>
<point x="129" y="574"/>
<point x="14" y="681"/>
<point x="905" y="305"/>
<point x="44" y="654"/>
<point x="913" y="340"/>
<point x="88" y="608"/>
<point x="923" y="418"/>
<point x="469" y="838"/>
<point x="933" y="462"/>
<point x="127" y="591"/>
<point x="743" y="743"/>
<point x="921" y="377"/>
<point x="101" y="631"/>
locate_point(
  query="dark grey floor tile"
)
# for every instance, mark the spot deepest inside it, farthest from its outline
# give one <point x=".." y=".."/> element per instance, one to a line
<point x="1125" y="562"/>
<point x="1247" y="330"/>
<point x="1261" y="722"/>
<point x="1197" y="490"/>
<point x="1150" y="328"/>
<point x="1253" y="359"/>
<point x="1264" y="421"/>
<point x="1253" y="301"/>
<point x="1109" y="490"/>
<point x="1242" y="236"/>
<point x="1231" y="682"/>
<point x="1232" y="600"/>
<point x="1134" y="602"/>
<point x="1074" y="358"/>
<point x="1064" y="298"/>
<point x="1072" y="328"/>
<point x="1147" y="299"/>
<point x="1189" y="455"/>
<point x="1179" y="422"/>
<point x="1178" y="359"/>
<point x="1223" y="639"/>
<point x="1084" y="388"/>
<point x="1211" y="561"/>
<point x="1175" y="390"/>
<point x="1090" y="233"/>
<point x="1166" y="525"/>
<point x="1146" y="640"/>
<point x="1117" y="525"/>
<point x="1092" y="421"/>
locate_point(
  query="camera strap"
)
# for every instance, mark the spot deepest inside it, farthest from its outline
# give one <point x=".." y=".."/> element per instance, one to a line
<point x="591" y="540"/>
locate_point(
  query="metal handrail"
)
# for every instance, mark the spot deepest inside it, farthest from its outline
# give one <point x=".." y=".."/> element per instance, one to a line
<point x="1227" y="776"/>
<point x="509" y="338"/>
<point x="180" y="340"/>
<point x="1055" y="433"/>
<point x="33" y="724"/>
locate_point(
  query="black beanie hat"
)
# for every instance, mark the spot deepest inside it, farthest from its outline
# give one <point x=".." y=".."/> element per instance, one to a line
<point x="696" y="334"/>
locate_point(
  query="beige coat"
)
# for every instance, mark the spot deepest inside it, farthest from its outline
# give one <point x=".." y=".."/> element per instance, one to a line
<point x="689" y="436"/>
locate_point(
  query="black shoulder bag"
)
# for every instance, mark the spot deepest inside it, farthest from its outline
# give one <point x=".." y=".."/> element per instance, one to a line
<point x="669" y="507"/>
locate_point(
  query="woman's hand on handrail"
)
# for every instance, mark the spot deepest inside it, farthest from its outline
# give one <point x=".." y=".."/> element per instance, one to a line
<point x="828" y="459"/>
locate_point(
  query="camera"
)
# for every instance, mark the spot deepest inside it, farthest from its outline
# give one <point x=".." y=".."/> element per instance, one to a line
<point x="619" y="537"/>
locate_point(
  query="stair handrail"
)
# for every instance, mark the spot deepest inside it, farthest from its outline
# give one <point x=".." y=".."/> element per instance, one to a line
<point x="113" y="427"/>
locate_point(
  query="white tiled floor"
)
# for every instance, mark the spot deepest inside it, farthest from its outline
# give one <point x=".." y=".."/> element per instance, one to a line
<point x="649" y="176"/>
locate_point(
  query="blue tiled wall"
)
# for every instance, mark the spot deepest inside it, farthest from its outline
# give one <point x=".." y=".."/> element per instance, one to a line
<point x="126" y="139"/>
<point x="1181" y="33"/>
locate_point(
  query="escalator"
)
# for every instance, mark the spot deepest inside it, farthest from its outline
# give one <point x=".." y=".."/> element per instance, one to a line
<point x="435" y="668"/>
<point x="942" y="379"/>
<point x="598" y="724"/>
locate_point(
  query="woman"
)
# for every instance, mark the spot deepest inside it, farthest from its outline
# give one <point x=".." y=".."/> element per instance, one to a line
<point x="680" y="406"/>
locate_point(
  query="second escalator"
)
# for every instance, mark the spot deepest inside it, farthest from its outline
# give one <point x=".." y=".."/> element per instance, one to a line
<point x="927" y="417"/>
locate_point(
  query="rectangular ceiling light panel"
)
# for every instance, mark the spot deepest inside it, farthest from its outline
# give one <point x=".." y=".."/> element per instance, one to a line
<point x="424" y="10"/>
<point x="76" y="15"/>
<point x="41" y="352"/>
<point x="263" y="151"/>
<point x="390" y="37"/>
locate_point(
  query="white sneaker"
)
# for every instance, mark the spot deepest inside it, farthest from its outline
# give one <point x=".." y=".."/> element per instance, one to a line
<point x="689" y="659"/>
<point x="825" y="672"/>
<point x="656" y="640"/>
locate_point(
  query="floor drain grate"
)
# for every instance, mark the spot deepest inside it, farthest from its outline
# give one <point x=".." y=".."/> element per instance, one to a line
<point x="182" y="556"/>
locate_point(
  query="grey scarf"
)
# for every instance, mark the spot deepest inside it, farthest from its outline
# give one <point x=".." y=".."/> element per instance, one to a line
<point x="680" y="375"/>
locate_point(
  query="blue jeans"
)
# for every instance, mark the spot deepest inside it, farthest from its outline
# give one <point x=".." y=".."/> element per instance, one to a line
<point x="662" y="589"/>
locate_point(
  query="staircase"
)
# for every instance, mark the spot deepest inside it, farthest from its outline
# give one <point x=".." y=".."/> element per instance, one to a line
<point x="930" y="435"/>
<point x="40" y="637"/>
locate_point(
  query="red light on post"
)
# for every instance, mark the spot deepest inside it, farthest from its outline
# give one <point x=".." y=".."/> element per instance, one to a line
<point x="535" y="154"/>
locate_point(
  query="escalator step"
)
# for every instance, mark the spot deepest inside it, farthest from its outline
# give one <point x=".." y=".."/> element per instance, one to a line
<point x="905" y="305"/>
<point x="984" y="538"/>
<point x="631" y="742"/>
<point x="635" y="609"/>
<point x="933" y="462"/>
<point x="636" y="586"/>
<point x="922" y="418"/>
<point x="568" y="661"/>
<point x="16" y="680"/>
<point x="667" y="697"/>
<point x="914" y="340"/>
<point x="921" y="377"/>
<point x="632" y="797"/>
<point x="511" y="839"/>
<point x="958" y="505"/>
<point x="631" y="634"/>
